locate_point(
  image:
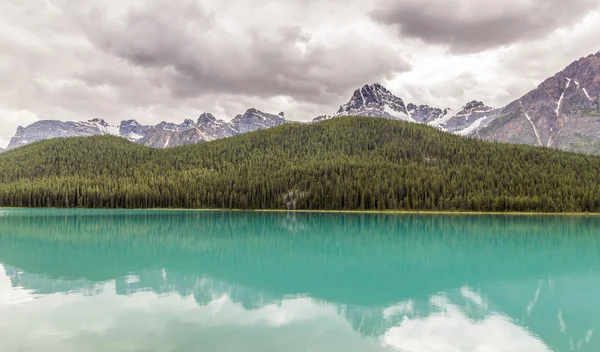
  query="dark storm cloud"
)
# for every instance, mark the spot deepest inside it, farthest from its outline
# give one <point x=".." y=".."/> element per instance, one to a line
<point x="474" y="25"/>
<point x="189" y="50"/>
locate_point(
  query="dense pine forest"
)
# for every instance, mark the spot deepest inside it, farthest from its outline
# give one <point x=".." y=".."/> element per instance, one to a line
<point x="357" y="163"/>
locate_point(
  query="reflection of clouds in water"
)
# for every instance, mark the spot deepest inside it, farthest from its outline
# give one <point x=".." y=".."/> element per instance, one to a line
<point x="147" y="305"/>
<point x="452" y="331"/>
<point x="146" y="320"/>
<point x="152" y="322"/>
<point x="12" y="295"/>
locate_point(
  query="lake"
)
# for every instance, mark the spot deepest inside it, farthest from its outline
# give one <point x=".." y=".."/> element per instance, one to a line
<point x="105" y="280"/>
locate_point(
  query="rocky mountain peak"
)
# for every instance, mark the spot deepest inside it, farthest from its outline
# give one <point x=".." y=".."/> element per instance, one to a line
<point x="374" y="100"/>
<point x="254" y="119"/>
<point x="425" y="113"/>
<point x="187" y="123"/>
<point x="47" y="129"/>
<point x="205" y="118"/>
<point x="472" y="107"/>
<point x="100" y="122"/>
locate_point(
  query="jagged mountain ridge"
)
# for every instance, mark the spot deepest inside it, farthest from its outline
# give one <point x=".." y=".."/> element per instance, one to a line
<point x="46" y="129"/>
<point x="162" y="135"/>
<point x="376" y="101"/>
<point x="562" y="112"/>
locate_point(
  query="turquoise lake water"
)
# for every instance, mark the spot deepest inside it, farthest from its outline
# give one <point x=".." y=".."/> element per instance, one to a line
<point x="91" y="280"/>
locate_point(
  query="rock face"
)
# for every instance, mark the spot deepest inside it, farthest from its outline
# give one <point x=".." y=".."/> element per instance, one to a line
<point x="57" y="129"/>
<point x="162" y="135"/>
<point x="425" y="113"/>
<point x="376" y="101"/>
<point x="468" y="118"/>
<point x="254" y="120"/>
<point x="563" y="112"/>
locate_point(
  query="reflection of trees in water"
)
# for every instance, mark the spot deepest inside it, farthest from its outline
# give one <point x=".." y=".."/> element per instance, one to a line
<point x="336" y="257"/>
<point x="362" y="264"/>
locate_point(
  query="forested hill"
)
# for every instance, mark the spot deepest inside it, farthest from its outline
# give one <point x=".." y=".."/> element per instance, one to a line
<point x="346" y="163"/>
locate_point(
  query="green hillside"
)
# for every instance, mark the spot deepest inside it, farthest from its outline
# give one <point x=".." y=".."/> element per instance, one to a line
<point x="347" y="164"/>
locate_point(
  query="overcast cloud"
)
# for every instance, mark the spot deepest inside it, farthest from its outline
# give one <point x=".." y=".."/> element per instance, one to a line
<point x="156" y="60"/>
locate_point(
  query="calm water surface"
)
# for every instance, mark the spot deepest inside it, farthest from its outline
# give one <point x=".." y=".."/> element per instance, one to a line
<point x="237" y="281"/>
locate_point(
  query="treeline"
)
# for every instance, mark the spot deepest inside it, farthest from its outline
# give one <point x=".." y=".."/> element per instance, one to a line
<point x="342" y="164"/>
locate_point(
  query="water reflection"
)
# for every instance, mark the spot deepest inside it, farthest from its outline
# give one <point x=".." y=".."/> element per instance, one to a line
<point x="246" y="281"/>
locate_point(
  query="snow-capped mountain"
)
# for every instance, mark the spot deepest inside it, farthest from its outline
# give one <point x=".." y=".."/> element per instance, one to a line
<point x="376" y="101"/>
<point x="47" y="129"/>
<point x="562" y="112"/>
<point x="467" y="119"/>
<point x="162" y="135"/>
<point x="425" y="113"/>
<point x="254" y="120"/>
<point x="212" y="126"/>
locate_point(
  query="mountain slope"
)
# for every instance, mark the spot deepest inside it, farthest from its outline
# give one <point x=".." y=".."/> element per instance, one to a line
<point x="563" y="112"/>
<point x="254" y="120"/>
<point x="467" y="120"/>
<point x="351" y="163"/>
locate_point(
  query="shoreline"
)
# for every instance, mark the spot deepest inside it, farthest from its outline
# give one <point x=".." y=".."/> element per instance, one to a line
<point x="370" y="212"/>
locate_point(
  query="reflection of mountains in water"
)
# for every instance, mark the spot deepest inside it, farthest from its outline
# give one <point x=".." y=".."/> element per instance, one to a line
<point x="376" y="269"/>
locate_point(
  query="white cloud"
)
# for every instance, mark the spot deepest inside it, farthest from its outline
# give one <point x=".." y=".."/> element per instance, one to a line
<point x="156" y="60"/>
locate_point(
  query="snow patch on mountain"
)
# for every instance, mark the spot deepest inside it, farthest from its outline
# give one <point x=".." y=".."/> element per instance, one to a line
<point x="587" y="95"/>
<point x="472" y="128"/>
<point x="375" y="100"/>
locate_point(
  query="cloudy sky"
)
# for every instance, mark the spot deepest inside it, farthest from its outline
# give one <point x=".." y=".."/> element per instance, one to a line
<point x="156" y="60"/>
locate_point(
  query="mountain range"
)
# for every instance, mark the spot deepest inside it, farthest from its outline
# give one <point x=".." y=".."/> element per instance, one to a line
<point x="562" y="112"/>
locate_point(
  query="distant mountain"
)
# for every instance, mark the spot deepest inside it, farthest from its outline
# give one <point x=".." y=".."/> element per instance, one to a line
<point x="425" y="113"/>
<point x="48" y="129"/>
<point x="563" y="112"/>
<point x="254" y="120"/>
<point x="376" y="101"/>
<point x="162" y="135"/>
<point x="467" y="119"/>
